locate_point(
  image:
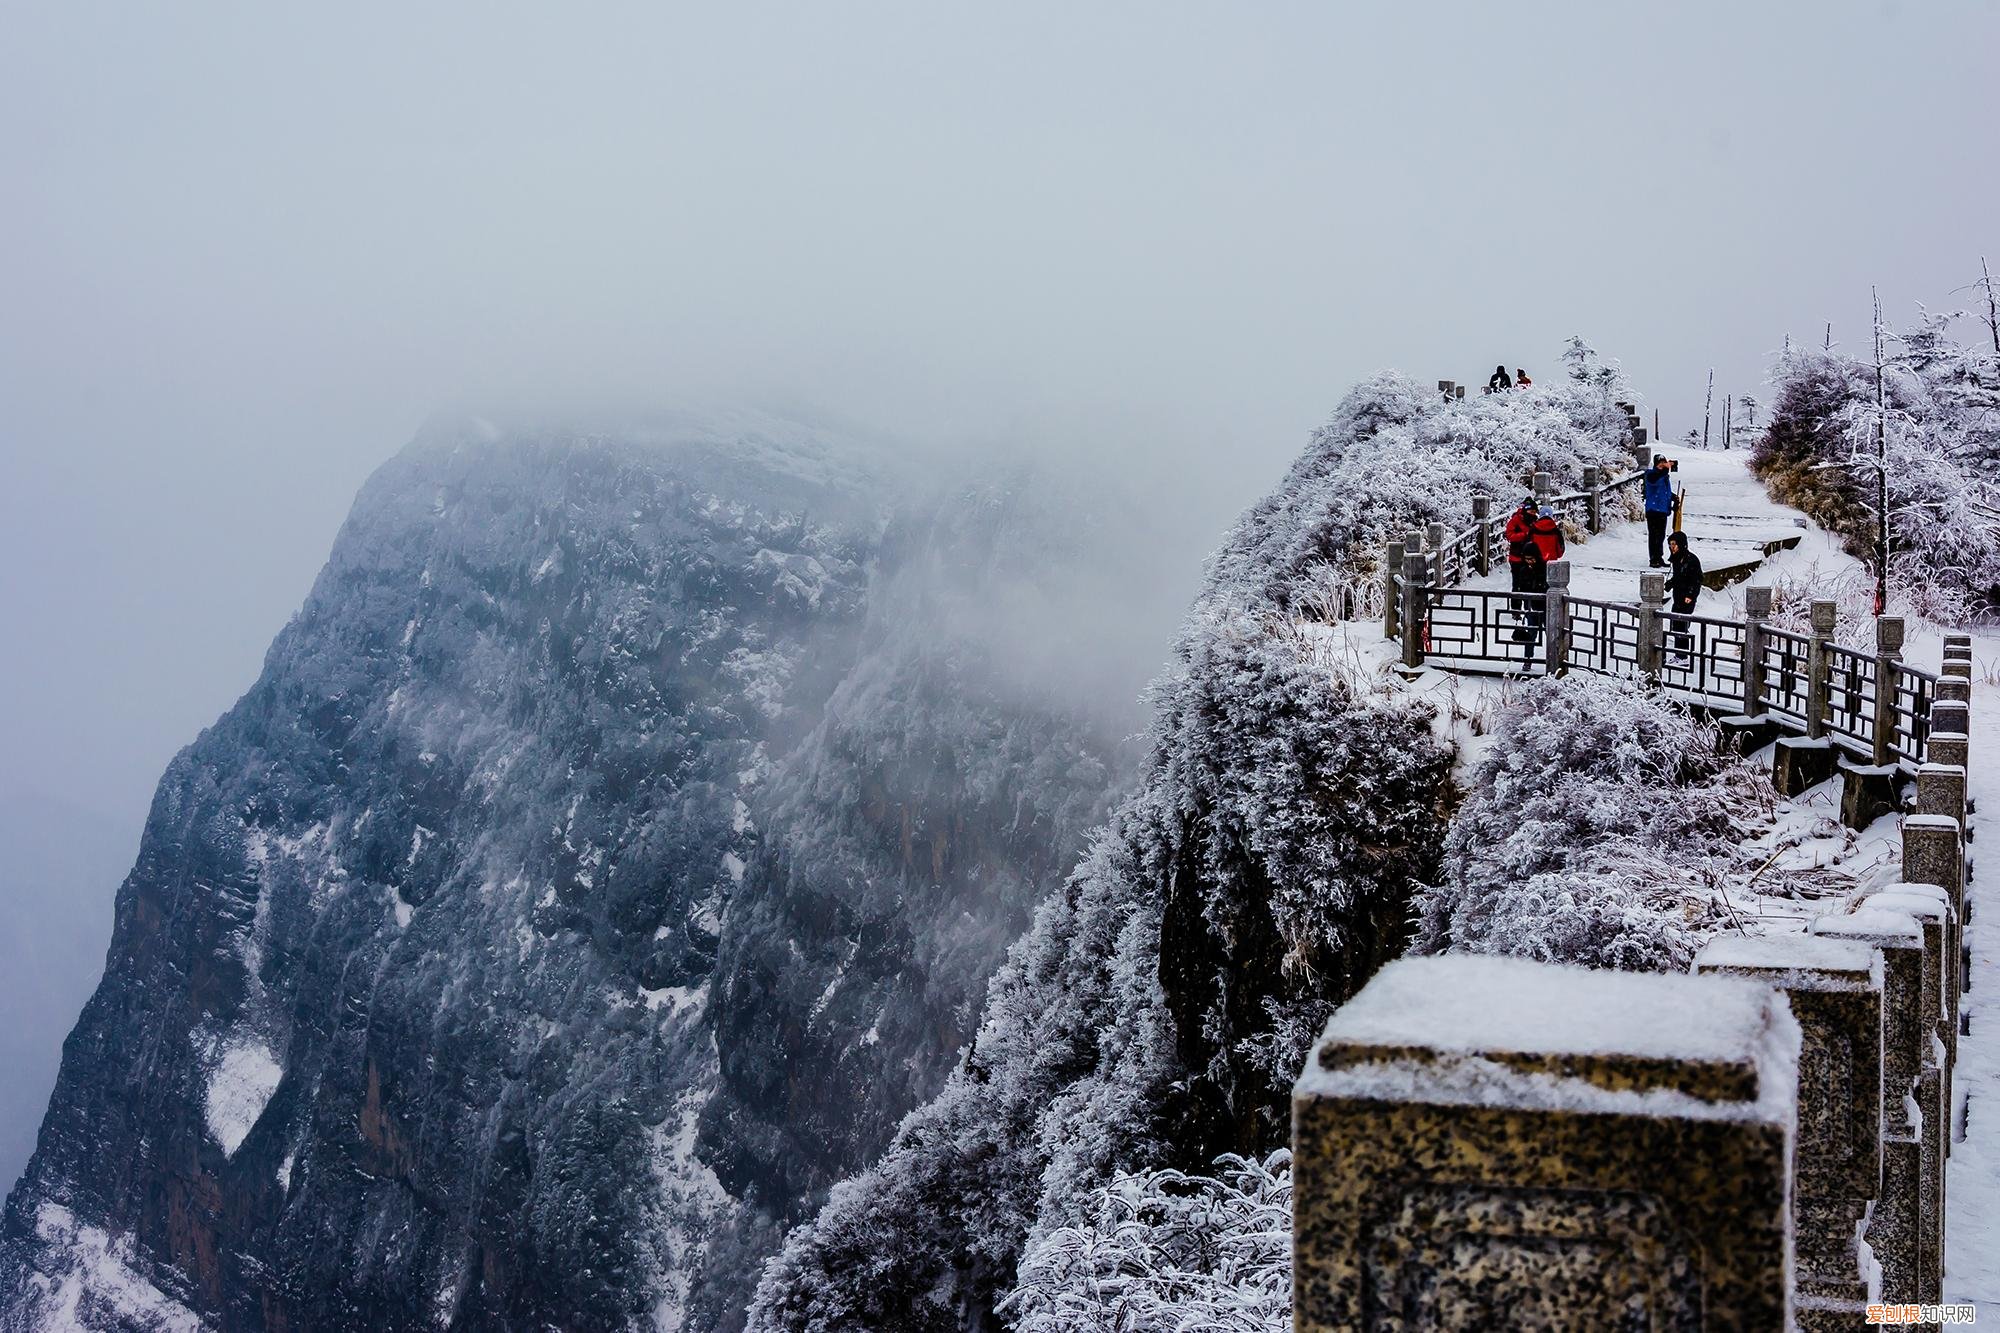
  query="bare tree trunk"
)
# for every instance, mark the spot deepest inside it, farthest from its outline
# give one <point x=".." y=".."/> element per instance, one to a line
<point x="1881" y="469"/>
<point x="1992" y="314"/>
<point x="1707" y="408"/>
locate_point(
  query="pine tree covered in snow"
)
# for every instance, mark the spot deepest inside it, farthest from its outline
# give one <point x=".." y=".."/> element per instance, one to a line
<point x="1940" y="418"/>
<point x="1593" y="830"/>
<point x="1155" y="1014"/>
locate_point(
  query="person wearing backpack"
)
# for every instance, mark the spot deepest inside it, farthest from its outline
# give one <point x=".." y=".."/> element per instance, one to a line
<point x="1528" y="568"/>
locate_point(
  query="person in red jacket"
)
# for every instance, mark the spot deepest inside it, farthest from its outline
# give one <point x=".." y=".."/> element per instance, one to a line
<point x="1533" y="539"/>
<point x="1548" y="534"/>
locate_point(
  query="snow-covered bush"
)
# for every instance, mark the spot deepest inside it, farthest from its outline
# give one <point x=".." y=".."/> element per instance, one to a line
<point x="1939" y="418"/>
<point x="1164" y="1252"/>
<point x="1396" y="456"/>
<point x="1595" y="827"/>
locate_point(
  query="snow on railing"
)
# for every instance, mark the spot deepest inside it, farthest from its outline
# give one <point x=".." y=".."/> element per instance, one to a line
<point x="1762" y="1141"/>
<point x="1751" y="672"/>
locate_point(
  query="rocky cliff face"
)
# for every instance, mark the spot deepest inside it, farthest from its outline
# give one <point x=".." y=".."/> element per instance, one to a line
<point x="614" y="848"/>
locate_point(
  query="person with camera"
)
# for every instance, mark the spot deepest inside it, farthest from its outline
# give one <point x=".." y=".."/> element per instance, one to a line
<point x="1659" y="495"/>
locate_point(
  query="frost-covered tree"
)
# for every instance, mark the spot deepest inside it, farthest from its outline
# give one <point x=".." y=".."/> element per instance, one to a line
<point x="1157" y="1011"/>
<point x="1939" y="414"/>
<point x="1164" y="1252"/>
<point x="1594" y="826"/>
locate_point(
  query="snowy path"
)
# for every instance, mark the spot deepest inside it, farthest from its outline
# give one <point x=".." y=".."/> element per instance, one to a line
<point x="1727" y="517"/>
<point x="1972" y="1182"/>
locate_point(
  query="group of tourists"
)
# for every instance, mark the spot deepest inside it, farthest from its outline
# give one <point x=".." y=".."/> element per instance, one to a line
<point x="1534" y="538"/>
<point x="1500" y="381"/>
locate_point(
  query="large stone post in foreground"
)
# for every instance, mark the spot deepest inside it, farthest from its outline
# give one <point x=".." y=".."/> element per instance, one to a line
<point x="1493" y="1143"/>
<point x="1895" y="1231"/>
<point x="1835" y="990"/>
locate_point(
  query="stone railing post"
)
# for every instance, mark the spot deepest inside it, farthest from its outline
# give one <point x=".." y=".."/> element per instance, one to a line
<point x="1756" y="611"/>
<point x="1392" y="598"/>
<point x="1888" y="653"/>
<point x="1933" y="1092"/>
<point x="1545" y="489"/>
<point x="1835" y="990"/>
<point x="1895" y="1232"/>
<point x="1642" y="449"/>
<point x="1652" y="592"/>
<point x="1951" y="714"/>
<point x="1435" y="538"/>
<point x="1444" y="389"/>
<point x="1465" y="1120"/>
<point x="1824" y="616"/>
<point x="1416" y="589"/>
<point x="1593" y="485"/>
<point x="1957" y="657"/>
<point x="1934" y="853"/>
<point x="1555" y="643"/>
<point x="1482" y="518"/>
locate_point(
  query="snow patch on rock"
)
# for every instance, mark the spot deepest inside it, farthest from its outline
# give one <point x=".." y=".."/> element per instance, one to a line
<point x="239" y="1087"/>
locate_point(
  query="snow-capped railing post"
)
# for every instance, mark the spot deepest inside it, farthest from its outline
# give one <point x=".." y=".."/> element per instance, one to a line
<point x="1415" y="589"/>
<point x="1545" y="489"/>
<point x="1593" y="485"/>
<point x="1555" y="608"/>
<point x="1952" y="715"/>
<point x="1818" y="666"/>
<point x="1485" y="1142"/>
<point x="1756" y="610"/>
<point x="1482" y="517"/>
<point x="1895" y="1229"/>
<point x="1802" y="762"/>
<point x="1957" y="656"/>
<point x="1924" y="903"/>
<point x="1888" y="653"/>
<point x="1652" y="592"/>
<point x="1392" y="600"/>
<point x="1835" y="990"/>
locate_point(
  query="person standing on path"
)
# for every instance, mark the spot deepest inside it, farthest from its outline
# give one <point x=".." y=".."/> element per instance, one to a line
<point x="1683" y="588"/>
<point x="1659" y="493"/>
<point x="1533" y="539"/>
<point x="1683" y="575"/>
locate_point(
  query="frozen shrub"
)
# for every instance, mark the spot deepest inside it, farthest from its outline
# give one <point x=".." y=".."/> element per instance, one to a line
<point x="1163" y="1252"/>
<point x="1592" y="827"/>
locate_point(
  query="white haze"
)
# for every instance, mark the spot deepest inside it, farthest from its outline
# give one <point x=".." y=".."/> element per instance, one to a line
<point x="246" y="250"/>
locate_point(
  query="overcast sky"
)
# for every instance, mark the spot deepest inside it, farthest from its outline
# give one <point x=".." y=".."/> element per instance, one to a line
<point x="245" y="250"/>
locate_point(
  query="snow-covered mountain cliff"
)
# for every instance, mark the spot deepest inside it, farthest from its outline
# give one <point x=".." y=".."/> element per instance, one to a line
<point x="614" y="848"/>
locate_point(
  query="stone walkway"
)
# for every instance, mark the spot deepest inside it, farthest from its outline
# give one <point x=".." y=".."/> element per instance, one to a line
<point x="1728" y="518"/>
<point x="1972" y="1179"/>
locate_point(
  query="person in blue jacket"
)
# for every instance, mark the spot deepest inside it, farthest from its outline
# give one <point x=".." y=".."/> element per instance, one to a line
<point x="1659" y="488"/>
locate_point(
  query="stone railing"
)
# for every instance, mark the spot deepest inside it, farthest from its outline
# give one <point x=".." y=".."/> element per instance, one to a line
<point x="1828" y="708"/>
<point x="1493" y="1143"/>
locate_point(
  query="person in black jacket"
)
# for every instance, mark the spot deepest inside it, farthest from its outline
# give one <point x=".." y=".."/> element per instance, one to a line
<point x="1499" y="380"/>
<point x="1683" y="574"/>
<point x="1683" y="588"/>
